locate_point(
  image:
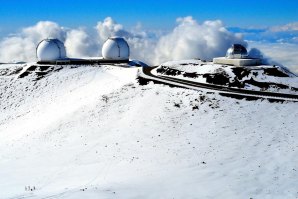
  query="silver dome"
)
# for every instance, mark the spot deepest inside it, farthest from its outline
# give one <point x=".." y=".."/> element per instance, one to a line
<point x="50" y="50"/>
<point x="237" y="51"/>
<point x="115" y="48"/>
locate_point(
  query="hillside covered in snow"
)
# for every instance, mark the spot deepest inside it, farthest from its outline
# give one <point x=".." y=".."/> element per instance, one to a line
<point x="260" y="78"/>
<point x="94" y="132"/>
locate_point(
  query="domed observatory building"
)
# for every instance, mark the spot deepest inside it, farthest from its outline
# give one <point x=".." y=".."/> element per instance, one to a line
<point x="116" y="49"/>
<point x="237" y="55"/>
<point x="50" y="50"/>
<point x="237" y="51"/>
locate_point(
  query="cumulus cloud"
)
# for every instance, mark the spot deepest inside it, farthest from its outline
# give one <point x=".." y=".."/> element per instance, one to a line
<point x="193" y="40"/>
<point x="21" y="47"/>
<point x="79" y="44"/>
<point x="16" y="49"/>
<point x="109" y="28"/>
<point x="141" y="44"/>
<point x="42" y="30"/>
<point x="189" y="39"/>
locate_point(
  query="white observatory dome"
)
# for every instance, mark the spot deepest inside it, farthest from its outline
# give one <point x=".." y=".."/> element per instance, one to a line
<point x="237" y="51"/>
<point x="115" y="48"/>
<point x="50" y="50"/>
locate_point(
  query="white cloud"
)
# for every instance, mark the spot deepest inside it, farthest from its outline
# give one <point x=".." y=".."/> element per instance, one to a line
<point x="287" y="33"/>
<point x="192" y="40"/>
<point x="280" y="54"/>
<point x="189" y="39"/>
<point x="21" y="47"/>
<point x="142" y="46"/>
<point x="109" y="28"/>
<point x="42" y="30"/>
<point x="79" y="44"/>
<point x="17" y="49"/>
<point x="284" y="28"/>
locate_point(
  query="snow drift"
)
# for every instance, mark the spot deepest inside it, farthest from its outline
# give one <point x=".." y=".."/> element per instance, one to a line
<point x="93" y="132"/>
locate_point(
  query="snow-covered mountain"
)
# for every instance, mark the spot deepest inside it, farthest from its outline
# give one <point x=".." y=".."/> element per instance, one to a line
<point x="259" y="78"/>
<point x="94" y="132"/>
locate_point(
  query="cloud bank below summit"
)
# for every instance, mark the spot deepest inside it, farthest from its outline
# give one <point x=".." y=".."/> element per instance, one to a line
<point x="189" y="39"/>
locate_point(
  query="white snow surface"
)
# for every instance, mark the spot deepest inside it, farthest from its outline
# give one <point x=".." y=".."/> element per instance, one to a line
<point x="93" y="132"/>
<point x="202" y="67"/>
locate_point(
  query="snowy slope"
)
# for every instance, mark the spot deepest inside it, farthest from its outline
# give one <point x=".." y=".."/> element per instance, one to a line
<point x="260" y="78"/>
<point x="93" y="132"/>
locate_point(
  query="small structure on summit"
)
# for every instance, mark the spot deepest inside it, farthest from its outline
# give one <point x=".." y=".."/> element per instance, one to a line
<point x="237" y="55"/>
<point x="237" y="51"/>
<point x="115" y="48"/>
<point x="50" y="50"/>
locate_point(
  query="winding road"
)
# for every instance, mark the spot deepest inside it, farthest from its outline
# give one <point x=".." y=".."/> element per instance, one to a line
<point x="146" y="73"/>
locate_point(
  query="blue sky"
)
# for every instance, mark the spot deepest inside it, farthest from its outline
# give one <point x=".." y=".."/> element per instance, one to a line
<point x="152" y="14"/>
